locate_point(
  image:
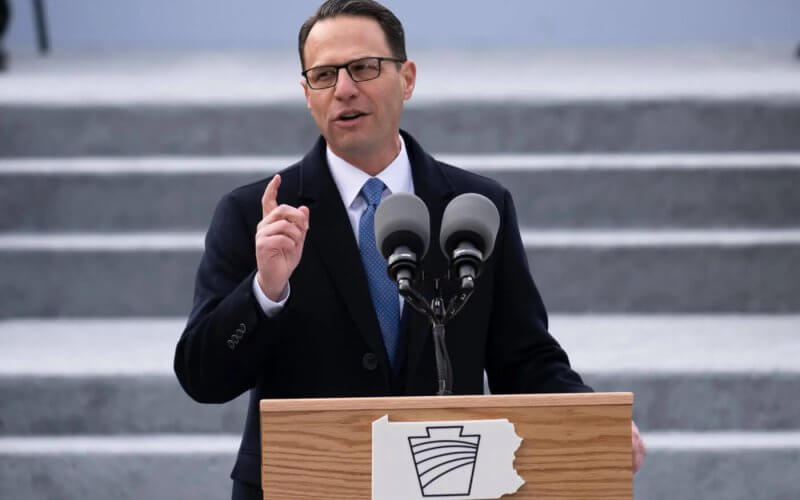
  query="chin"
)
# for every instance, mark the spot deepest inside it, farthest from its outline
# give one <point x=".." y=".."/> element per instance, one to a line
<point x="351" y="144"/>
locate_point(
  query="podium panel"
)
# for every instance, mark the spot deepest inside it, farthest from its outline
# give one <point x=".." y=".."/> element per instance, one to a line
<point x="575" y="446"/>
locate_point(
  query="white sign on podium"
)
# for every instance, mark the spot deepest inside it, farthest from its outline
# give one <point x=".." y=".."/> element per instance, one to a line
<point x="456" y="460"/>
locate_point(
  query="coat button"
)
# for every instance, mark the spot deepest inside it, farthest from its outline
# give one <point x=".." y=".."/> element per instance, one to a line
<point x="369" y="361"/>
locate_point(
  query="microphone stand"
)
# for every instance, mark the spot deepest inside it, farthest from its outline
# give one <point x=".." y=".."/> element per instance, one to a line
<point x="438" y="314"/>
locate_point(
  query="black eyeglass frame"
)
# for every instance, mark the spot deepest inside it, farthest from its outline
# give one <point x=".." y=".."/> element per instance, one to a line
<point x="346" y="67"/>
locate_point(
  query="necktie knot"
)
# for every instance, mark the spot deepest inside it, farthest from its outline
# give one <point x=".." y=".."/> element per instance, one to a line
<point x="372" y="191"/>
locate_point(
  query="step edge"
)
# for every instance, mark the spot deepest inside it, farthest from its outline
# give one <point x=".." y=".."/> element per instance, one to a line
<point x="532" y="238"/>
<point x="185" y="444"/>
<point x="266" y="165"/>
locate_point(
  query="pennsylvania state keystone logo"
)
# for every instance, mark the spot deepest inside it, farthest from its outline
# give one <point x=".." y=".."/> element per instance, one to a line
<point x="445" y="460"/>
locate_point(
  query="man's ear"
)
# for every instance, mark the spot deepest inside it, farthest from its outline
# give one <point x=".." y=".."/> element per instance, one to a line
<point x="306" y="91"/>
<point x="408" y="75"/>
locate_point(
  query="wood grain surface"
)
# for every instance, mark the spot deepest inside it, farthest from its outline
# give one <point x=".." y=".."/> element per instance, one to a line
<point x="575" y="446"/>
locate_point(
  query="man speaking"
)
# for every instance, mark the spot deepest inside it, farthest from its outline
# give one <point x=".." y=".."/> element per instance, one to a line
<point x="292" y="298"/>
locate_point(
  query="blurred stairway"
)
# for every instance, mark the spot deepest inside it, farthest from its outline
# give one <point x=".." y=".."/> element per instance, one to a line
<point x="663" y="231"/>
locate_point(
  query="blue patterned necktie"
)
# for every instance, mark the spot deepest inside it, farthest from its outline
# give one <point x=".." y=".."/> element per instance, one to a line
<point x="382" y="289"/>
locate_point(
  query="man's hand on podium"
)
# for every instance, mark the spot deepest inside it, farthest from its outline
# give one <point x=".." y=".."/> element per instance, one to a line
<point x="639" y="449"/>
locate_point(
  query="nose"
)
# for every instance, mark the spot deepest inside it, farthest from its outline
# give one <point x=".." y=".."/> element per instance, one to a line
<point x="345" y="86"/>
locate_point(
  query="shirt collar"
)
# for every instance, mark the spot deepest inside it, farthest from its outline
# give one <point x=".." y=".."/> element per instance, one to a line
<point x="349" y="179"/>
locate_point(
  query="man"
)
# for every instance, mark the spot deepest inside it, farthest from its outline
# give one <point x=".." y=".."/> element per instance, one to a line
<point x="289" y="301"/>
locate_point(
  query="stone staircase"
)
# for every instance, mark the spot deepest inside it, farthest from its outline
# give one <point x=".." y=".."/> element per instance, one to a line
<point x="663" y="232"/>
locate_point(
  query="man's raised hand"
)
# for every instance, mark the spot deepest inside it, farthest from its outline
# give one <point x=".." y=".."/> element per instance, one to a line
<point x="279" y="241"/>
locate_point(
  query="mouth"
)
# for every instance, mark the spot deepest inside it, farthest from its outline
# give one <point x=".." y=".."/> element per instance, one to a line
<point x="350" y="116"/>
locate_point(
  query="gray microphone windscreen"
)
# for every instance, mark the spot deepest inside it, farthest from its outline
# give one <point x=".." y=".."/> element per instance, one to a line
<point x="402" y="219"/>
<point x="473" y="217"/>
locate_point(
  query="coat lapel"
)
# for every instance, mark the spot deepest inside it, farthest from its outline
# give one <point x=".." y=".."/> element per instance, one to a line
<point x="332" y="236"/>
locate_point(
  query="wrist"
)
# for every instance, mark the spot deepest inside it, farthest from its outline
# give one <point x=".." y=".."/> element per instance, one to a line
<point x="273" y="293"/>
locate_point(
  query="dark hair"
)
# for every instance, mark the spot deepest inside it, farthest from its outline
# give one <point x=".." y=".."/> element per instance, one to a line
<point x="388" y="22"/>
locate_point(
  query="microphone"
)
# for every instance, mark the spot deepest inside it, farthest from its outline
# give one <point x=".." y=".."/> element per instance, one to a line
<point x="402" y="233"/>
<point x="469" y="228"/>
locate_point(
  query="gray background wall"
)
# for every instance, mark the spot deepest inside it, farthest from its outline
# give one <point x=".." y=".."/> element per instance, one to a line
<point x="144" y="24"/>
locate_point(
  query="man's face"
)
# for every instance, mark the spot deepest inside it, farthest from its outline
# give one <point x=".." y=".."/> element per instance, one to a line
<point x="358" y="120"/>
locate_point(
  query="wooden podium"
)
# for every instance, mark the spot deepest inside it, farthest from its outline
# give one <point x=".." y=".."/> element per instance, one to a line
<point x="575" y="446"/>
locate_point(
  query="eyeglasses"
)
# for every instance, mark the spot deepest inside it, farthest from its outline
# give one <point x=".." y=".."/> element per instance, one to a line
<point x="360" y="70"/>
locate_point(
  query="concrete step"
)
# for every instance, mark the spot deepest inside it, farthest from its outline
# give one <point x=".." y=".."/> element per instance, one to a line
<point x="228" y="103"/>
<point x="541" y="73"/>
<point x="577" y="271"/>
<point x="463" y="127"/>
<point x="551" y="191"/>
<point x="125" y="276"/>
<point x="712" y="466"/>
<point x="86" y="467"/>
<point x="110" y="404"/>
<point x="689" y="373"/>
<point x="720" y="466"/>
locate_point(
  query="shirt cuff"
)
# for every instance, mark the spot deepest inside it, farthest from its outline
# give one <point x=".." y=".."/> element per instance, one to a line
<point x="270" y="307"/>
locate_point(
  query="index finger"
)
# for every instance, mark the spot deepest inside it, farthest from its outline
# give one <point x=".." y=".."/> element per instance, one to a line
<point x="269" y="201"/>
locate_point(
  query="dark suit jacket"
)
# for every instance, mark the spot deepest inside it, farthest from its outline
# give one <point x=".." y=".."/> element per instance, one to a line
<point x="326" y="342"/>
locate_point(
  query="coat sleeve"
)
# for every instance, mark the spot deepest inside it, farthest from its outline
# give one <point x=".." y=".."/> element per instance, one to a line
<point x="227" y="339"/>
<point x="522" y="355"/>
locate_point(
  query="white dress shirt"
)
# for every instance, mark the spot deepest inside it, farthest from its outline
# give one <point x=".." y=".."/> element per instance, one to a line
<point x="349" y="180"/>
